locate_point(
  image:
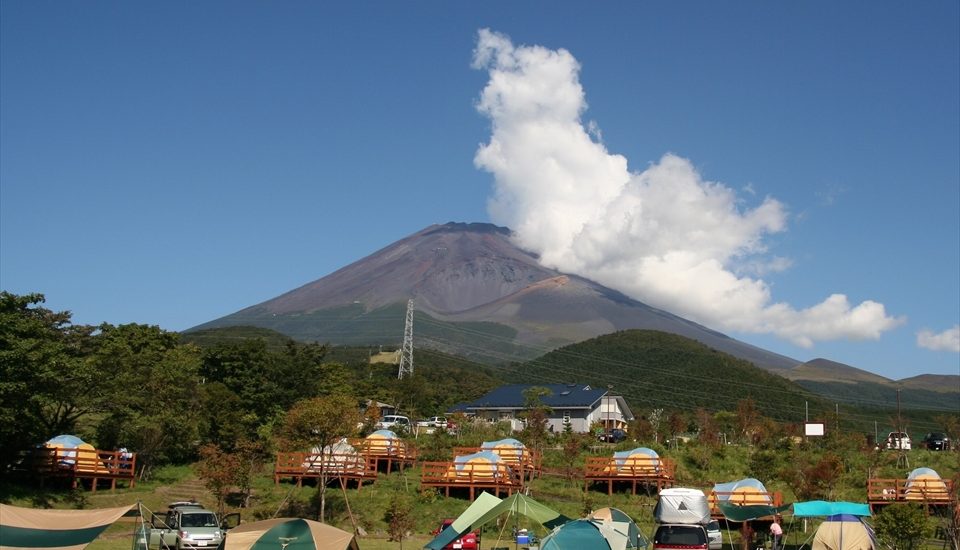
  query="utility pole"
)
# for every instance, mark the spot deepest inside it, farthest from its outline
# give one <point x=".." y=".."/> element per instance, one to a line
<point x="902" y="460"/>
<point x="406" y="352"/>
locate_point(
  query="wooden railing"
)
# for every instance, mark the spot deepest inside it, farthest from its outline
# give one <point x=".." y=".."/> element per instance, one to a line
<point x="346" y="466"/>
<point x="637" y="470"/>
<point x="82" y="464"/>
<point x="742" y="498"/>
<point x="883" y="491"/>
<point x="528" y="461"/>
<point x="473" y="475"/>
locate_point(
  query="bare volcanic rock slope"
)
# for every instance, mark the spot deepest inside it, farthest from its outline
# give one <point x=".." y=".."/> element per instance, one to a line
<point x="476" y="294"/>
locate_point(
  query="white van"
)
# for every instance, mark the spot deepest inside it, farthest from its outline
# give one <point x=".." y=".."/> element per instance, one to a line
<point x="393" y="422"/>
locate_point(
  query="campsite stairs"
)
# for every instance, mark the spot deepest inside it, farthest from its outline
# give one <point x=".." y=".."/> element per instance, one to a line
<point x="187" y="489"/>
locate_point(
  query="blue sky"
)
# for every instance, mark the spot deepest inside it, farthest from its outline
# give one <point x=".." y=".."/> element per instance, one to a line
<point x="172" y="163"/>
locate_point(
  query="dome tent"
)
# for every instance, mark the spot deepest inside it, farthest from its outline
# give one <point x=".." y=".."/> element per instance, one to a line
<point x="744" y="491"/>
<point x="640" y="459"/>
<point x="844" y="532"/>
<point x="925" y="484"/>
<point x="618" y="528"/>
<point x="479" y="464"/>
<point x="579" y="534"/>
<point x="384" y="442"/>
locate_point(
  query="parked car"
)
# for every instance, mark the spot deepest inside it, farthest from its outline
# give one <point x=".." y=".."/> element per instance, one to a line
<point x="433" y="422"/>
<point x="469" y="541"/>
<point x="937" y="441"/>
<point x="715" y="535"/>
<point x="189" y="526"/>
<point x="615" y="435"/>
<point x="685" y="536"/>
<point x="393" y="422"/>
<point x="898" y="441"/>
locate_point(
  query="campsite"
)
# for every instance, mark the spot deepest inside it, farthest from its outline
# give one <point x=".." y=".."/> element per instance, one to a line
<point x="557" y="489"/>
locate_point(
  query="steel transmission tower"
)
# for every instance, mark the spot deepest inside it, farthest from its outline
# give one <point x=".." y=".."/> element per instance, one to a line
<point x="406" y="353"/>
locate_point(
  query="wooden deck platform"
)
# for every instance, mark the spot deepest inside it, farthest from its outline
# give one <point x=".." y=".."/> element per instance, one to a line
<point x="929" y="492"/>
<point x="648" y="472"/>
<point x="79" y="465"/>
<point x="495" y="478"/>
<point x="342" y="467"/>
<point x="527" y="461"/>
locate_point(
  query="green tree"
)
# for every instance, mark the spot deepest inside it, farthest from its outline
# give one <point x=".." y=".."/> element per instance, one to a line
<point x="399" y="518"/>
<point x="319" y="423"/>
<point x="46" y="386"/>
<point x="155" y="393"/>
<point x="536" y="417"/>
<point x="903" y="526"/>
<point x="219" y="472"/>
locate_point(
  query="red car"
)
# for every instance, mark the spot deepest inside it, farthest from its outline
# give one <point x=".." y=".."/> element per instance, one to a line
<point x="469" y="541"/>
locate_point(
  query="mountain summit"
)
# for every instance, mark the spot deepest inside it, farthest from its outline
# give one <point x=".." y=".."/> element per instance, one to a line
<point x="476" y="294"/>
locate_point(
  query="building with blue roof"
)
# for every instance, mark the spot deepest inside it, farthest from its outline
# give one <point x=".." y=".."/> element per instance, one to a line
<point x="576" y="405"/>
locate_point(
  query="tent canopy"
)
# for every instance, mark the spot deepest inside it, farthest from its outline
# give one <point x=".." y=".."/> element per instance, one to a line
<point x="487" y="508"/>
<point x="29" y="528"/>
<point x="736" y="512"/>
<point x="289" y="534"/>
<point x="824" y="508"/>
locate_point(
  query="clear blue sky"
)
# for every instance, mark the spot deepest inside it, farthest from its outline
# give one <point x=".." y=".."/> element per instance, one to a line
<point x="170" y="163"/>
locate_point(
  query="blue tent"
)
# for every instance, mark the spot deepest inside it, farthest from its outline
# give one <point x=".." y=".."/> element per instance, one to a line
<point x="580" y="534"/>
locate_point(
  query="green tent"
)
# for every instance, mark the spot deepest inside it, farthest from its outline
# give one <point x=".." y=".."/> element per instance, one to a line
<point x="618" y="528"/>
<point x="28" y="528"/>
<point x="289" y="534"/>
<point x="485" y="510"/>
<point x="465" y="522"/>
<point x="581" y="534"/>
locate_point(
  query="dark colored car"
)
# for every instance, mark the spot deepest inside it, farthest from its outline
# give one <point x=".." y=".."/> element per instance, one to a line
<point x="615" y="435"/>
<point x="689" y="536"/>
<point x="469" y="541"/>
<point x="937" y="441"/>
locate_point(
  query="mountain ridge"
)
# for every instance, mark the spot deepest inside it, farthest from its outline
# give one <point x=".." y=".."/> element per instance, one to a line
<point x="472" y="274"/>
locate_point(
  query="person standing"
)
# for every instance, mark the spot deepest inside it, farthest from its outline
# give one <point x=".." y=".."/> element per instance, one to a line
<point x="776" y="531"/>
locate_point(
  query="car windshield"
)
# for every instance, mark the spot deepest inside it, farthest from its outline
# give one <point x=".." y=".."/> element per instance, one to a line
<point x="206" y="519"/>
<point x="683" y="535"/>
<point x="713" y="526"/>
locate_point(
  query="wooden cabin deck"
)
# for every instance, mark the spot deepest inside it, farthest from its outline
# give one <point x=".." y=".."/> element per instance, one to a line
<point x="929" y="492"/>
<point x="78" y="465"/>
<point x="646" y="471"/>
<point x="495" y="478"/>
<point x="527" y="461"/>
<point x="343" y="467"/>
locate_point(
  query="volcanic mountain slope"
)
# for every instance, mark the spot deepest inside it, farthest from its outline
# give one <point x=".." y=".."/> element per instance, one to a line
<point x="476" y="294"/>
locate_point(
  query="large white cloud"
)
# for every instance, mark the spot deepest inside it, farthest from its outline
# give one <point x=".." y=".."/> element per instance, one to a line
<point x="664" y="235"/>
<point x="948" y="340"/>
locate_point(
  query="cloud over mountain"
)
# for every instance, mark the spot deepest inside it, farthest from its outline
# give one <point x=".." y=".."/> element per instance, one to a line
<point x="948" y="340"/>
<point x="664" y="235"/>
